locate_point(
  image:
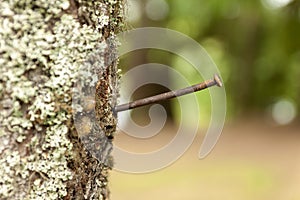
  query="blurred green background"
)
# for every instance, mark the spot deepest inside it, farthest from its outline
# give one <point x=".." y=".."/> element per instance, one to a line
<point x="256" y="46"/>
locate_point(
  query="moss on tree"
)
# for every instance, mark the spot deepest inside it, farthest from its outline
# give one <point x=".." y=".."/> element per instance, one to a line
<point x="43" y="45"/>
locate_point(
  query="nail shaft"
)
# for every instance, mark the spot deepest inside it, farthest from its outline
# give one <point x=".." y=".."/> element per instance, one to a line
<point x="169" y="95"/>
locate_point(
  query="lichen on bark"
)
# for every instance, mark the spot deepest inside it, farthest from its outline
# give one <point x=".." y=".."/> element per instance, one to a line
<point x="43" y="45"/>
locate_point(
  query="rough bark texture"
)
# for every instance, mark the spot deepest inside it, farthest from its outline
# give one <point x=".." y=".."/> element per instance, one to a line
<point x="44" y="46"/>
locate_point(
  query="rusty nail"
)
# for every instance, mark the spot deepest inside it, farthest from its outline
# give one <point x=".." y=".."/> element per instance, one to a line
<point x="169" y="95"/>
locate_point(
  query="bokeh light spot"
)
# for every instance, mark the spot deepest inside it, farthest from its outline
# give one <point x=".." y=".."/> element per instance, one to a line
<point x="134" y="11"/>
<point x="157" y="9"/>
<point x="274" y="4"/>
<point x="284" y="111"/>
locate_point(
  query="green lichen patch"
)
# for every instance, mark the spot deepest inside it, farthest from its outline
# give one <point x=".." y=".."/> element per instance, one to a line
<point x="42" y="47"/>
<point x="49" y="166"/>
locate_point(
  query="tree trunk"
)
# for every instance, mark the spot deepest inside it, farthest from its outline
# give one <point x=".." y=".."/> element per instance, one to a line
<point x="48" y="149"/>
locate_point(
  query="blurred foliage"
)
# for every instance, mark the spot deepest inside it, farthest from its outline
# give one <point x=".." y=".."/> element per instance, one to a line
<point x="255" y="45"/>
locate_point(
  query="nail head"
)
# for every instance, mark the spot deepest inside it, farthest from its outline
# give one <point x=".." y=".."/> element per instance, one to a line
<point x="218" y="80"/>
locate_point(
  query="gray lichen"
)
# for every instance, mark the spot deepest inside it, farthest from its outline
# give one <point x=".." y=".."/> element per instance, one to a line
<point x="43" y="44"/>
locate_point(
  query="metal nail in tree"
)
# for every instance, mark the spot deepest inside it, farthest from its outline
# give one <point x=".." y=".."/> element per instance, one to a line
<point x="169" y="95"/>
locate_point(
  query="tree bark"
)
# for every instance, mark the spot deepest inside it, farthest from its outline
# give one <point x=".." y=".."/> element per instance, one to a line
<point x="44" y="44"/>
